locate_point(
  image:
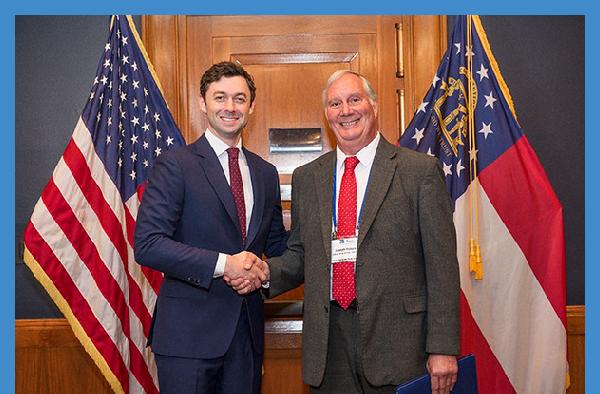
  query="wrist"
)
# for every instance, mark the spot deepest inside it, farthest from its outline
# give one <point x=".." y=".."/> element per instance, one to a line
<point x="220" y="265"/>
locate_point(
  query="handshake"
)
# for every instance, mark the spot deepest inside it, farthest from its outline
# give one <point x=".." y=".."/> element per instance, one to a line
<point x="245" y="272"/>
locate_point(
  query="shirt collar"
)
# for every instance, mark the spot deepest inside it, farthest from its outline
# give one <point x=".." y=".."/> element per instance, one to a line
<point x="218" y="145"/>
<point x="365" y="155"/>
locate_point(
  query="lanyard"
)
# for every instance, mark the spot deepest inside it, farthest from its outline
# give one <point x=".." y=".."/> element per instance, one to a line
<point x="334" y="200"/>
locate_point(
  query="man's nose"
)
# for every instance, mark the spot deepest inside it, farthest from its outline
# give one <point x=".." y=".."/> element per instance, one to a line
<point x="346" y="109"/>
<point x="229" y="104"/>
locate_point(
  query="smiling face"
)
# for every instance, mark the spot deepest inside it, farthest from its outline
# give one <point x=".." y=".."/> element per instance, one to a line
<point x="352" y="115"/>
<point x="226" y="104"/>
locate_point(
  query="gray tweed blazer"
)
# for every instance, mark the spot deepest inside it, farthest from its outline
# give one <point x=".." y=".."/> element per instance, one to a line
<point x="407" y="279"/>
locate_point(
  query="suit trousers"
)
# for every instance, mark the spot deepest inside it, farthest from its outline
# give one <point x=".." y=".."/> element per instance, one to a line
<point x="343" y="371"/>
<point x="239" y="371"/>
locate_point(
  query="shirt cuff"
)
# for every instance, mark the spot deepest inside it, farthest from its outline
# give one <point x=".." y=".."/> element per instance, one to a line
<point x="220" y="266"/>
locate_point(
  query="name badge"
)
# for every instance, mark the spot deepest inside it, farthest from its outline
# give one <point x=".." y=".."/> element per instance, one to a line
<point x="344" y="249"/>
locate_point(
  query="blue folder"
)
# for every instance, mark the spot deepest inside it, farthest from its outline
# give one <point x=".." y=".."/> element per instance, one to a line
<point x="466" y="381"/>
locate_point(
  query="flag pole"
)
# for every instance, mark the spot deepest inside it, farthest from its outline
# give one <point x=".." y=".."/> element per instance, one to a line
<point x="475" y="263"/>
<point x="472" y="261"/>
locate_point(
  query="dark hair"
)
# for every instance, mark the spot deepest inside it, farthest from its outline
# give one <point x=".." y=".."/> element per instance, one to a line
<point x="226" y="69"/>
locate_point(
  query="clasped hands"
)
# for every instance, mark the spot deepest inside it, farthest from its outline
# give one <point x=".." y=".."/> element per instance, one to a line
<point x="245" y="272"/>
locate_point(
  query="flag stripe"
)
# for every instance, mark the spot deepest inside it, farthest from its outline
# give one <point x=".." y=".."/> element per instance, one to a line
<point x="110" y="224"/>
<point x="491" y="378"/>
<point x="141" y="363"/>
<point x="82" y="210"/>
<point x="59" y="275"/>
<point x="139" y="370"/>
<point x="106" y="284"/>
<point x="525" y="179"/>
<point x="86" y="250"/>
<point x="83" y="140"/>
<point x="113" y="295"/>
<point x="93" y="195"/>
<point x="62" y="179"/>
<point x="500" y="305"/>
<point x="153" y="278"/>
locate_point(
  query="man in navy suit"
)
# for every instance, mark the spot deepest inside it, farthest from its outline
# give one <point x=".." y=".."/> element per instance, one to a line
<point x="209" y="210"/>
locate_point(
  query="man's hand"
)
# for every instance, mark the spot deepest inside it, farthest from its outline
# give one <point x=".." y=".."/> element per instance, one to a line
<point x="264" y="267"/>
<point x="443" y="370"/>
<point x="245" y="272"/>
<point x="244" y="286"/>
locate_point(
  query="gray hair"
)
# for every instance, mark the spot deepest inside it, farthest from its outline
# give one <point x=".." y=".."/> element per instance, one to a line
<point x="340" y="73"/>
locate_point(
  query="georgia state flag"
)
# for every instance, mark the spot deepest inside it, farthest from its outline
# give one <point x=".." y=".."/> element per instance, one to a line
<point x="512" y="303"/>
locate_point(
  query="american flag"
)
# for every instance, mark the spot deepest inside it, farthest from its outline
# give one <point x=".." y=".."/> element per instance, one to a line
<point x="79" y="240"/>
<point x="513" y="293"/>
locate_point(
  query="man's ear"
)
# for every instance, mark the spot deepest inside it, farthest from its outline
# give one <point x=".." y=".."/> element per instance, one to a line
<point x="252" y="107"/>
<point x="202" y="104"/>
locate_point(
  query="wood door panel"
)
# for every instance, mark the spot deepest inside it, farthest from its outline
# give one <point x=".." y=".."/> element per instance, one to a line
<point x="280" y="109"/>
<point x="295" y="58"/>
<point x="290" y="72"/>
<point x="265" y="25"/>
<point x="299" y="43"/>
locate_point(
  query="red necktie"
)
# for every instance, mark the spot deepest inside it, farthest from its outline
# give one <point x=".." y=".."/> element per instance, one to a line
<point x="344" y="291"/>
<point x="237" y="187"/>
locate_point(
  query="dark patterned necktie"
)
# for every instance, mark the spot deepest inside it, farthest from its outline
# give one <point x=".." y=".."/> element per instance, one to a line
<point x="343" y="287"/>
<point x="237" y="187"/>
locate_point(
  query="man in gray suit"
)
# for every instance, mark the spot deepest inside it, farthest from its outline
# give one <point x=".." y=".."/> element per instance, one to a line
<point x="373" y="241"/>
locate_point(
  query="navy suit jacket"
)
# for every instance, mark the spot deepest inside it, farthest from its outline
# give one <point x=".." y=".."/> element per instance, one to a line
<point x="186" y="218"/>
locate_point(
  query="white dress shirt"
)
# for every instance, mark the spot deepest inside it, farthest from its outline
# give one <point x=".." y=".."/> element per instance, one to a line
<point x="220" y="149"/>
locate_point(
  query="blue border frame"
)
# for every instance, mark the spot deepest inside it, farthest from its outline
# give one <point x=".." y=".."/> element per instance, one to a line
<point x="506" y="7"/>
<point x="7" y="202"/>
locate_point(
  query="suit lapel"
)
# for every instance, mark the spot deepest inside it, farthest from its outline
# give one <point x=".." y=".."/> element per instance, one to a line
<point x="214" y="173"/>
<point x="323" y="190"/>
<point x="380" y="179"/>
<point x="258" y="190"/>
